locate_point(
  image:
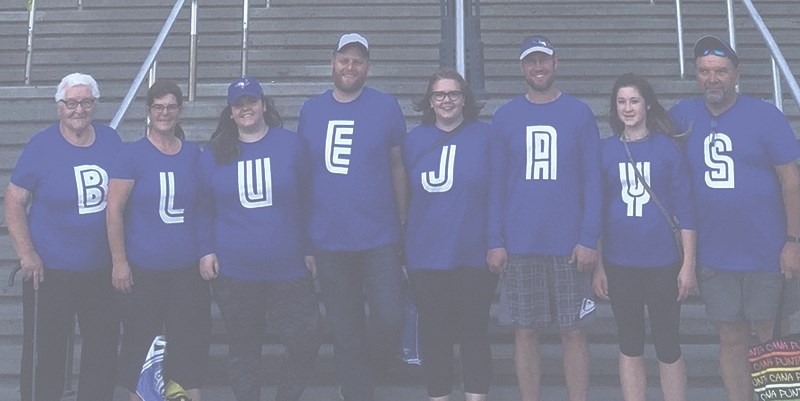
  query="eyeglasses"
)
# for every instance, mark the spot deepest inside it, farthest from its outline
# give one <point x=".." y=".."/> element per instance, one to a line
<point x="716" y="52"/>
<point x="159" y="108"/>
<point x="73" y="104"/>
<point x="454" y="96"/>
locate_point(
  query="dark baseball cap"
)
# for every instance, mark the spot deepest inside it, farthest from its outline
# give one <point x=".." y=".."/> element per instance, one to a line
<point x="710" y="44"/>
<point x="536" y="43"/>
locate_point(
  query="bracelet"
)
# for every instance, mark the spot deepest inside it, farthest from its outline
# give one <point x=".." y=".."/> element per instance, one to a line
<point x="793" y="238"/>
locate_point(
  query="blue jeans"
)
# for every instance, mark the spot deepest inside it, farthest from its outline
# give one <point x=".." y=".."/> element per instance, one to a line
<point x="346" y="278"/>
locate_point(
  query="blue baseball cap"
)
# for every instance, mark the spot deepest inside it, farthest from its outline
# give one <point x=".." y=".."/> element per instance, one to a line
<point x="245" y="86"/>
<point x="536" y="43"/>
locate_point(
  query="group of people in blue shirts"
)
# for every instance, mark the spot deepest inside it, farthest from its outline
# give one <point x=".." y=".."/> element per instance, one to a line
<point x="534" y="200"/>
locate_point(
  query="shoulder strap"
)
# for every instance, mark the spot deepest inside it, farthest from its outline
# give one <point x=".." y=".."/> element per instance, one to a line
<point x="442" y="139"/>
<point x="673" y="224"/>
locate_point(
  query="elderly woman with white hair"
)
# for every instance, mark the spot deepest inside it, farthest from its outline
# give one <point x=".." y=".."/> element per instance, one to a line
<point x="55" y="211"/>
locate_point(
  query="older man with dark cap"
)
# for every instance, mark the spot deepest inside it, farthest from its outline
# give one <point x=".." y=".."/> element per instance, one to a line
<point x="358" y="196"/>
<point x="742" y="154"/>
<point x="552" y="219"/>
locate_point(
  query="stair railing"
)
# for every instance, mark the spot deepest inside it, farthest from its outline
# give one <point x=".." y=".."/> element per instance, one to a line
<point x="150" y="60"/>
<point x="29" y="46"/>
<point x="245" y="23"/>
<point x="779" y="64"/>
<point x="679" y="22"/>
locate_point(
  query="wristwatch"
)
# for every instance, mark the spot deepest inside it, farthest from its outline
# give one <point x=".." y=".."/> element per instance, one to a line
<point x="792" y="238"/>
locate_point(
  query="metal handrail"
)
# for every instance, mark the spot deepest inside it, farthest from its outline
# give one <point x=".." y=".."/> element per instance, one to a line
<point x="777" y="58"/>
<point x="779" y="64"/>
<point x="245" y="23"/>
<point x="148" y="62"/>
<point x="679" y="22"/>
<point x="29" y="46"/>
<point x="461" y="51"/>
<point x="193" y="53"/>
<point x="731" y="25"/>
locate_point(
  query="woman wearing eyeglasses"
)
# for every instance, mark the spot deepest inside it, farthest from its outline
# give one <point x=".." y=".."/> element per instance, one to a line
<point x="451" y="228"/>
<point x="62" y="247"/>
<point x="152" y="221"/>
<point x="642" y="265"/>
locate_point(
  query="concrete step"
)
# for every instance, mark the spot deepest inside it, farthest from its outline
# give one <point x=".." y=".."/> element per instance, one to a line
<point x="414" y="392"/>
<point x="701" y="361"/>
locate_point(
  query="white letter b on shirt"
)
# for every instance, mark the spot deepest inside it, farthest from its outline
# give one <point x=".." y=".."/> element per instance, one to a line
<point x="92" y="184"/>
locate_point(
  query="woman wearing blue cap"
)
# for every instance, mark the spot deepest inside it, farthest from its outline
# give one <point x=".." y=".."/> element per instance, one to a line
<point x="254" y="240"/>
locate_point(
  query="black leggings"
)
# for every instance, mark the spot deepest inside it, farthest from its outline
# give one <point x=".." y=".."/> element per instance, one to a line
<point x="454" y="308"/>
<point x="630" y="290"/>
<point x="293" y="310"/>
<point x="176" y="303"/>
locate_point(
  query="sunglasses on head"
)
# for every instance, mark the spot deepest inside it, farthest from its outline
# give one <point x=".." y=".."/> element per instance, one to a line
<point x="716" y="52"/>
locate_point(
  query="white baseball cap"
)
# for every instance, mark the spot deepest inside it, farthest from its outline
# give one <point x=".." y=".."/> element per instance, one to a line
<point x="350" y="38"/>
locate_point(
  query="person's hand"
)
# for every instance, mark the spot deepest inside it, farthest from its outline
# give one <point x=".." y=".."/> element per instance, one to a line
<point x="790" y="260"/>
<point x="121" y="277"/>
<point x="311" y="265"/>
<point x="600" y="283"/>
<point x="687" y="283"/>
<point x="584" y="258"/>
<point x="497" y="260"/>
<point x="32" y="268"/>
<point x="209" y="266"/>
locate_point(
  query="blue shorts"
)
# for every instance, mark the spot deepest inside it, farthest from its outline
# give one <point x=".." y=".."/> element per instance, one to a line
<point x="545" y="290"/>
<point x="732" y="296"/>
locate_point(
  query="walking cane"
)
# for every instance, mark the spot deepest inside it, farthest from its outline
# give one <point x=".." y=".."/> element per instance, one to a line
<point x="11" y="278"/>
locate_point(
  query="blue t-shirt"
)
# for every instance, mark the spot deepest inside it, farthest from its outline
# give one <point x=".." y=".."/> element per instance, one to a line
<point x="69" y="187"/>
<point x="256" y="209"/>
<point x="738" y="198"/>
<point x="453" y="186"/>
<point x="553" y="184"/>
<point x="352" y="198"/>
<point x="635" y="232"/>
<point x="161" y="213"/>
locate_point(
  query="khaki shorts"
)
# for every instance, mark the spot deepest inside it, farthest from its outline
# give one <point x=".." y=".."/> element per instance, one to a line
<point x="732" y="296"/>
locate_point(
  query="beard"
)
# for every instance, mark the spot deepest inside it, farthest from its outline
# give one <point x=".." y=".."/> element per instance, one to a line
<point x="715" y="96"/>
<point x="348" y="86"/>
<point x="540" y="86"/>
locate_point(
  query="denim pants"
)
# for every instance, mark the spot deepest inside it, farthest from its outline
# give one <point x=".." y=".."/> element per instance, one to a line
<point x="346" y="279"/>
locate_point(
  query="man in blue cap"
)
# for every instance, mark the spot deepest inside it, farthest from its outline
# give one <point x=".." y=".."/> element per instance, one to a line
<point x="741" y="152"/>
<point x="552" y="219"/>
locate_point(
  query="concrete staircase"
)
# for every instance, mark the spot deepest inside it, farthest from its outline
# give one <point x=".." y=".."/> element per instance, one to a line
<point x="290" y="48"/>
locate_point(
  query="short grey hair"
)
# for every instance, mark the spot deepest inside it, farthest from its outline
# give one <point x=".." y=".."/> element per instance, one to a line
<point x="76" y="79"/>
